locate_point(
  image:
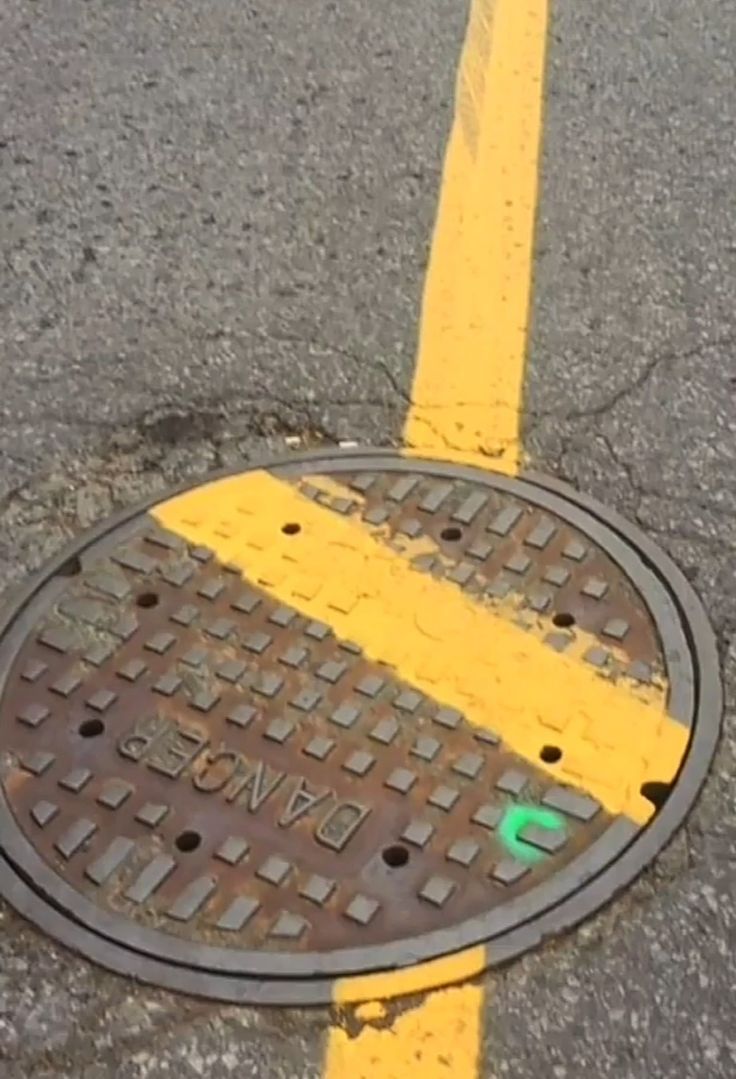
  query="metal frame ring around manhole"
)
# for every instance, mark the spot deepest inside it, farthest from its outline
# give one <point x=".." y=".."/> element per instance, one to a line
<point x="227" y="769"/>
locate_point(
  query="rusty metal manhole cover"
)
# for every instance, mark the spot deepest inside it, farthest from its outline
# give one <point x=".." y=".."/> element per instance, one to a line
<point x="342" y="715"/>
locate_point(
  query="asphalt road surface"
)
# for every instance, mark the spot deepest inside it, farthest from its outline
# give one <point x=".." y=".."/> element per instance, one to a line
<point x="214" y="227"/>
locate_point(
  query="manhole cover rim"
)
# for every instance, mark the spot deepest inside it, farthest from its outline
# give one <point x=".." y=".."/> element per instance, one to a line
<point x="623" y="864"/>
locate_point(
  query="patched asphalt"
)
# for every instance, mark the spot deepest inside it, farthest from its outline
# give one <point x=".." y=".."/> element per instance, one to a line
<point x="215" y="224"/>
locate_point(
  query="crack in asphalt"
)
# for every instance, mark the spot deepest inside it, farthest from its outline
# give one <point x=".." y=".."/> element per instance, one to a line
<point x="639" y="382"/>
<point x="642" y="492"/>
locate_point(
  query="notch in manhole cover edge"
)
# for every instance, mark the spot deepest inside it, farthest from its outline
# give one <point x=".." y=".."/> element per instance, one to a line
<point x="61" y="907"/>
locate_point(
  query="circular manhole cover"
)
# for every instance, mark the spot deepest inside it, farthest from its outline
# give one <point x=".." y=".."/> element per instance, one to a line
<point x="342" y="715"/>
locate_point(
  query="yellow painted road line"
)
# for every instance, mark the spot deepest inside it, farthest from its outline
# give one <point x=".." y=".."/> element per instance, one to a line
<point x="436" y="637"/>
<point x="437" y="1039"/>
<point x="466" y="395"/>
<point x="468" y="379"/>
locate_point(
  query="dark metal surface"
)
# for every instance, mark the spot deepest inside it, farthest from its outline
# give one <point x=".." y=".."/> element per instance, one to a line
<point x="204" y="778"/>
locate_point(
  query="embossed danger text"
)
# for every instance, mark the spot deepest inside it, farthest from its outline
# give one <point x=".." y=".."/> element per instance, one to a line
<point x="180" y="752"/>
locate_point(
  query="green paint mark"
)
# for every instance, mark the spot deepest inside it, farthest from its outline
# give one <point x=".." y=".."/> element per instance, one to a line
<point x="516" y="819"/>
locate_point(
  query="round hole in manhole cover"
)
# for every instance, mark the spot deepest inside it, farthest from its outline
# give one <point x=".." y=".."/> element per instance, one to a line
<point x="274" y="732"/>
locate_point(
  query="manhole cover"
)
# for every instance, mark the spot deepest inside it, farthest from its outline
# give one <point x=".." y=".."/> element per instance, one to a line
<point x="343" y="715"/>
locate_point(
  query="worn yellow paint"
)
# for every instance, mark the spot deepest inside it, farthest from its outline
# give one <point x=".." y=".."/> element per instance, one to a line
<point x="437" y="1039"/>
<point x="435" y="637"/>
<point x="511" y="607"/>
<point x="447" y="970"/>
<point x="332" y="492"/>
<point x="469" y="371"/>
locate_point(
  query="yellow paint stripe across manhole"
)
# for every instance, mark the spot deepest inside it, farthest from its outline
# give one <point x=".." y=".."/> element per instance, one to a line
<point x="442" y="642"/>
